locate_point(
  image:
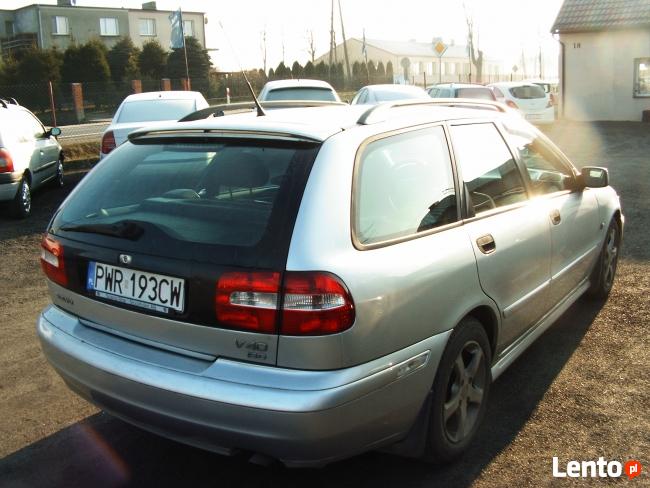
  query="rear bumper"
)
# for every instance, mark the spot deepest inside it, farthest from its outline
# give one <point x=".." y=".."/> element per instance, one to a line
<point x="546" y="116"/>
<point x="9" y="185"/>
<point x="303" y="418"/>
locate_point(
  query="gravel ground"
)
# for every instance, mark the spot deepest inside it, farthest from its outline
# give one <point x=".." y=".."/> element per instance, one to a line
<point x="580" y="392"/>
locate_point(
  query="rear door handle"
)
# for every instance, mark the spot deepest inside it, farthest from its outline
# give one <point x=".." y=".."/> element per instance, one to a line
<point x="486" y="244"/>
<point x="556" y="218"/>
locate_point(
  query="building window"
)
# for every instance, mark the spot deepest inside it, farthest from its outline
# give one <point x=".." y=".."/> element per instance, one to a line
<point x="108" y="27"/>
<point x="9" y="28"/>
<point x="147" y="27"/>
<point x="188" y="28"/>
<point x="60" y="26"/>
<point x="642" y="77"/>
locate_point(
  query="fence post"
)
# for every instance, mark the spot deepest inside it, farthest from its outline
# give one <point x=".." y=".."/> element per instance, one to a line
<point x="78" y="101"/>
<point x="185" y="84"/>
<point x="166" y="84"/>
<point x="136" y="86"/>
<point x="52" y="106"/>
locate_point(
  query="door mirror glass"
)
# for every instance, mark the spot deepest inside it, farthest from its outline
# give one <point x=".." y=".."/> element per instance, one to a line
<point x="594" y="177"/>
<point x="55" y="131"/>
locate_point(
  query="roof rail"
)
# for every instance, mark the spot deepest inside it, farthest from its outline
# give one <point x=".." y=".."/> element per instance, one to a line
<point x="380" y="113"/>
<point x="242" y="107"/>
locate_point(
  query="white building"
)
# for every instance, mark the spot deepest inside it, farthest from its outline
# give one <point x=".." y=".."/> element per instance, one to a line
<point x="604" y="59"/>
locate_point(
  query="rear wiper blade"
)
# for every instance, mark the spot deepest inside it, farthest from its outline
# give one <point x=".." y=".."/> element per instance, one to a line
<point x="123" y="230"/>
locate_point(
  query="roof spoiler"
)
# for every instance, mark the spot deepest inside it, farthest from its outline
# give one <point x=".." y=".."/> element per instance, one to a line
<point x="243" y="107"/>
<point x="381" y="112"/>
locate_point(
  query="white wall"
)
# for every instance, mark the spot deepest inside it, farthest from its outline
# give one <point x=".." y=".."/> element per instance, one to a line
<point x="599" y="74"/>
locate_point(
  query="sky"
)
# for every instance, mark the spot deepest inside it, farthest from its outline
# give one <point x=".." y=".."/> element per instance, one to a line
<point x="505" y="27"/>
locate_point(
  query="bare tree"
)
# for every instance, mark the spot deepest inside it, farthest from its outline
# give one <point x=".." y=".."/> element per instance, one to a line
<point x="263" y="48"/>
<point x="475" y="53"/>
<point x="311" y="45"/>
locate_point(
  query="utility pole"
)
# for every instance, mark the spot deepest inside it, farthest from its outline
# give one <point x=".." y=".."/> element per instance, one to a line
<point x="345" y="46"/>
<point x="332" y="46"/>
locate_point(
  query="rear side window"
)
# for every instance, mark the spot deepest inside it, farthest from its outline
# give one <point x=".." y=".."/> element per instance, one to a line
<point x="155" y="110"/>
<point x="480" y="93"/>
<point x="489" y="171"/>
<point x="528" y="92"/>
<point x="234" y="194"/>
<point x="404" y="186"/>
<point x="320" y="94"/>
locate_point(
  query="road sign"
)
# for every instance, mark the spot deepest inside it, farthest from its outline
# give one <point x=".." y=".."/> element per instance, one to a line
<point x="440" y="48"/>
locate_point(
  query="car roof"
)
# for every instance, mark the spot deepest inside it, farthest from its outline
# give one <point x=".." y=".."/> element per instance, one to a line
<point x="511" y="84"/>
<point x="393" y="86"/>
<point x="164" y="95"/>
<point x="297" y="83"/>
<point x="458" y="85"/>
<point x="318" y="123"/>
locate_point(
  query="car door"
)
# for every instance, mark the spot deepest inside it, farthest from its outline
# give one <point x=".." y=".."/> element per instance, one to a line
<point x="510" y="235"/>
<point x="45" y="148"/>
<point x="573" y="213"/>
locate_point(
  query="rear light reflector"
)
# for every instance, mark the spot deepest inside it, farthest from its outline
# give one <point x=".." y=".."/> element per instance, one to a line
<point x="6" y="162"/>
<point x="312" y="303"/>
<point x="52" y="260"/>
<point x="315" y="303"/>
<point x="511" y="104"/>
<point x="108" y="142"/>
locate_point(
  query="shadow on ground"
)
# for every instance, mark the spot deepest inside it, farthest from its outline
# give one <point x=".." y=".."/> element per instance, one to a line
<point x="104" y="451"/>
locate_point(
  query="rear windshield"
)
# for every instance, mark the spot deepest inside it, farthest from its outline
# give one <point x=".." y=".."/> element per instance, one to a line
<point x="321" y="94"/>
<point x="155" y="110"/>
<point x="480" y="93"/>
<point x="388" y="95"/>
<point x="528" y="92"/>
<point x="185" y="198"/>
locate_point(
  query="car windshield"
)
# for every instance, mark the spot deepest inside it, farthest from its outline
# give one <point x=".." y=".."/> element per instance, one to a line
<point x="527" y="92"/>
<point x="155" y="110"/>
<point x="301" y="93"/>
<point x="181" y="193"/>
<point x="478" y="92"/>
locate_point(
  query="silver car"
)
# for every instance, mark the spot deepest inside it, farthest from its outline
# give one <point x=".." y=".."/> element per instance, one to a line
<point x="30" y="157"/>
<point x="314" y="283"/>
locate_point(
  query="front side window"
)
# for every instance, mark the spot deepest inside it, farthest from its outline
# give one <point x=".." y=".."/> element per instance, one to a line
<point x="546" y="170"/>
<point x="108" y="27"/>
<point x="404" y="186"/>
<point x="188" y="28"/>
<point x="147" y="27"/>
<point x="60" y="26"/>
<point x="642" y="77"/>
<point x="489" y="171"/>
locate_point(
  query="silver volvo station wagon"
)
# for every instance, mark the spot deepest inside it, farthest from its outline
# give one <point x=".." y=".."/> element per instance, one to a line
<point x="318" y="282"/>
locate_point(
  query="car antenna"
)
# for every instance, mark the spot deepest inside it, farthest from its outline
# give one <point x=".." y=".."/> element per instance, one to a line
<point x="258" y="106"/>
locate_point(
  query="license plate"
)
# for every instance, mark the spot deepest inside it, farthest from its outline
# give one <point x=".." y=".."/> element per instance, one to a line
<point x="145" y="290"/>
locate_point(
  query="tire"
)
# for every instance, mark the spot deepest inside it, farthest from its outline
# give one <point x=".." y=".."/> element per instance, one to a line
<point x="602" y="277"/>
<point x="460" y="392"/>
<point x="58" y="179"/>
<point x="22" y="202"/>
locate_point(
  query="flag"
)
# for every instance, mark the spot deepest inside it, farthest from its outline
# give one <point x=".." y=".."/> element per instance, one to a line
<point x="177" y="38"/>
<point x="364" y="49"/>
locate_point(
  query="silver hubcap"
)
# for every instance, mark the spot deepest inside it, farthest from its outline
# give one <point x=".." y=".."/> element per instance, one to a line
<point x="465" y="392"/>
<point x="59" y="173"/>
<point x="26" y="197"/>
<point x="610" y="258"/>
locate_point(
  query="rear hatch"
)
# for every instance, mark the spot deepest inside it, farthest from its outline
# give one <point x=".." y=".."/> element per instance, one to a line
<point x="529" y="98"/>
<point x="148" y="235"/>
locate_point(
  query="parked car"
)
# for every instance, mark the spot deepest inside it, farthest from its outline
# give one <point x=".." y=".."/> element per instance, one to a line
<point x="143" y="109"/>
<point x="529" y="98"/>
<point x="372" y="94"/>
<point x="281" y="90"/>
<point x="461" y="90"/>
<point x="30" y="157"/>
<point x="314" y="283"/>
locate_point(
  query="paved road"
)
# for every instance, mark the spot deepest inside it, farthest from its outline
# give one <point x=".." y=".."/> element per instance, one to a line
<point x="580" y="392"/>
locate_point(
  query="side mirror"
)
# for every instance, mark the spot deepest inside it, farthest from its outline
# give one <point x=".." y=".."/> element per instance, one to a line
<point x="593" y="177"/>
<point x="54" y="131"/>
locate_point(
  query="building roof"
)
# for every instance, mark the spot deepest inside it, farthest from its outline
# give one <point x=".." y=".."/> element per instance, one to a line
<point x="413" y="48"/>
<point x="597" y="15"/>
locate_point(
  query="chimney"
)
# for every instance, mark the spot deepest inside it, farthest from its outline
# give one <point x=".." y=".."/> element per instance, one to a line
<point x="149" y="6"/>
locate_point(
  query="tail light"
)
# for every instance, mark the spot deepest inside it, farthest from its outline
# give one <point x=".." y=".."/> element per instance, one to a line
<point x="6" y="162"/>
<point x="108" y="142"/>
<point x="550" y="102"/>
<point x="511" y="104"/>
<point x="309" y="303"/>
<point x="52" y="260"/>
